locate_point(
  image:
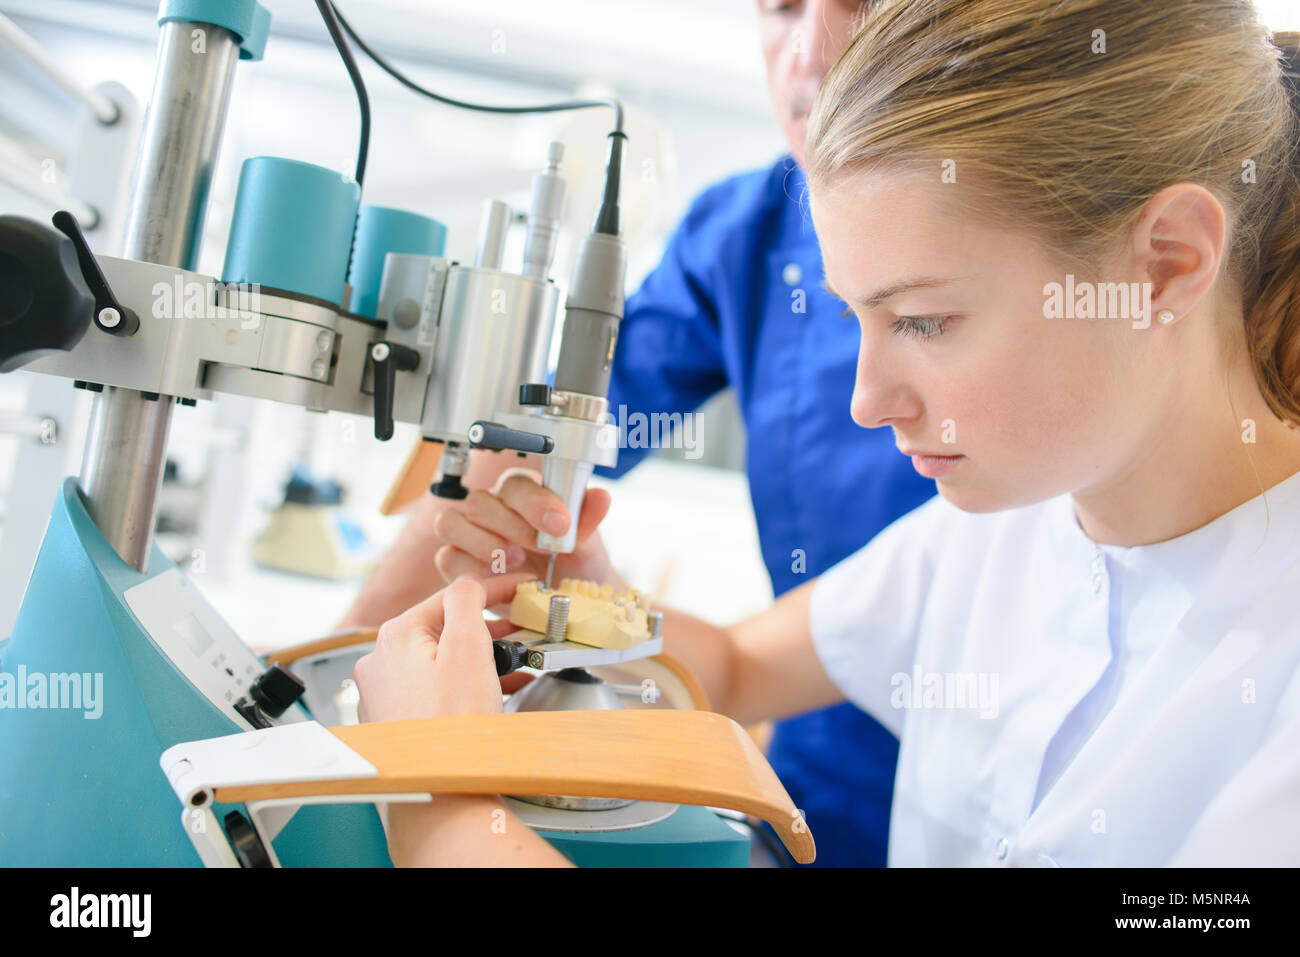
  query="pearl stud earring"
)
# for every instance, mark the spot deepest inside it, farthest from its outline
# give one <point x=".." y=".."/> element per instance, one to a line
<point x="1165" y="316"/>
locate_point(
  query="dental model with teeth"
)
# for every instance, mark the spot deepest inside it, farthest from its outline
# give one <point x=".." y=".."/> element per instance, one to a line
<point x="597" y="616"/>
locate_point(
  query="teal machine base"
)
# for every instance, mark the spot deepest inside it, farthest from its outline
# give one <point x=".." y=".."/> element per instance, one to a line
<point x="80" y="783"/>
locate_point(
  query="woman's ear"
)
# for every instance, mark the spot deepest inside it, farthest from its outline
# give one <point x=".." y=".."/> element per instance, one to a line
<point x="1180" y="241"/>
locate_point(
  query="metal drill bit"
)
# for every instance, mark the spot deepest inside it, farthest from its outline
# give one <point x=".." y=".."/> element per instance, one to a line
<point x="550" y="570"/>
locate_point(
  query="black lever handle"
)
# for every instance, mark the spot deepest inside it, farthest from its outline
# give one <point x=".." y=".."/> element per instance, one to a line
<point x="388" y="357"/>
<point x="110" y="315"/>
<point x="489" y="435"/>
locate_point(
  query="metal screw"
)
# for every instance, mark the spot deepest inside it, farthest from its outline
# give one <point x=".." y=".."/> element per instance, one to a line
<point x="558" y="620"/>
<point x="380" y="351"/>
<point x="109" y="317"/>
<point x="535" y="660"/>
<point x="406" y="313"/>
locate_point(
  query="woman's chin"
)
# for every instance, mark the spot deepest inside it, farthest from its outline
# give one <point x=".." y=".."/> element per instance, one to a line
<point x="975" y="498"/>
<point x="972" y="496"/>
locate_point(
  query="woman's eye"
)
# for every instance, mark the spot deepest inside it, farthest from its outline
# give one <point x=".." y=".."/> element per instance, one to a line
<point x="920" y="327"/>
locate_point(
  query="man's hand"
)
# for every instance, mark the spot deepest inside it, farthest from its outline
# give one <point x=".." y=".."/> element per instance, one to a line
<point x="436" y="658"/>
<point x="496" y="531"/>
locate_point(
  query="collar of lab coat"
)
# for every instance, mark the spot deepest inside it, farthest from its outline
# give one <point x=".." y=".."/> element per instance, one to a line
<point x="1221" y="567"/>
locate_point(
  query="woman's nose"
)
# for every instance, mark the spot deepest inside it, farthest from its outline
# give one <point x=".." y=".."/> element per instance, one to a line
<point x="881" y="396"/>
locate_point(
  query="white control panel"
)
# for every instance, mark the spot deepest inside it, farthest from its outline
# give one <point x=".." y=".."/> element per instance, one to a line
<point x="199" y="643"/>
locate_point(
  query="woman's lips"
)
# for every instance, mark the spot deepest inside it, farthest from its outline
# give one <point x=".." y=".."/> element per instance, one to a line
<point x="934" y="466"/>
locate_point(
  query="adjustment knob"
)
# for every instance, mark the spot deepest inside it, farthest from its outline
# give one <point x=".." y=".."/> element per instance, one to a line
<point x="275" y="690"/>
<point x="510" y="656"/>
<point x="449" y="486"/>
<point x="535" y="393"/>
<point x="45" y="304"/>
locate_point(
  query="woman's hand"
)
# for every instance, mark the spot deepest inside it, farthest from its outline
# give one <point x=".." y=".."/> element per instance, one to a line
<point x="496" y="531"/>
<point x="436" y="658"/>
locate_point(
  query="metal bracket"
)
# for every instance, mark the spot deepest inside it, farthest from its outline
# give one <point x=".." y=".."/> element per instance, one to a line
<point x="303" y="751"/>
<point x="554" y="655"/>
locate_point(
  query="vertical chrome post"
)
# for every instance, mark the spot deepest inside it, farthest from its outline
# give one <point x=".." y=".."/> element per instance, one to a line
<point x="492" y="234"/>
<point x="127" y="443"/>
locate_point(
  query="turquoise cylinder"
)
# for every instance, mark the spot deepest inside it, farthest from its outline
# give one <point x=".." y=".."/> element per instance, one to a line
<point x="292" y="227"/>
<point x="382" y="230"/>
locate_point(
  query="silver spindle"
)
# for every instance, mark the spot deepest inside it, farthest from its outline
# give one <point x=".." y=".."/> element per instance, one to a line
<point x="557" y="622"/>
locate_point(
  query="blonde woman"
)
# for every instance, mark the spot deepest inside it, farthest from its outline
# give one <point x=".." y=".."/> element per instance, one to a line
<point x="1070" y="232"/>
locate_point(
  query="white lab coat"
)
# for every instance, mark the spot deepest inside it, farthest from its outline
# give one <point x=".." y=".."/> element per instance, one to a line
<point x="1073" y="704"/>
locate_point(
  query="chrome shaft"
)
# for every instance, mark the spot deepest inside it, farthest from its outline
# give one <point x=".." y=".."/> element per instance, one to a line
<point x="126" y="446"/>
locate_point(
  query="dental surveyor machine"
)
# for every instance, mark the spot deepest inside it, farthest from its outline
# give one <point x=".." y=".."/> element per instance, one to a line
<point x="207" y="753"/>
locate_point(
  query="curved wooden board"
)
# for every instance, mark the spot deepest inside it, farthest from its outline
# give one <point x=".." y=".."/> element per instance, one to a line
<point x="414" y="477"/>
<point x="677" y="757"/>
<point x="354" y="636"/>
<point x="677" y="683"/>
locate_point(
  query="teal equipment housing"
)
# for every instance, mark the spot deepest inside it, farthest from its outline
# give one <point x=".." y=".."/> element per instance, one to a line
<point x="248" y="20"/>
<point x="292" y="228"/>
<point x="88" y="791"/>
<point x="382" y="230"/>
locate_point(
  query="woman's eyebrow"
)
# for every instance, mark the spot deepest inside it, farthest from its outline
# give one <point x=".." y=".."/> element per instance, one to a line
<point x="894" y="289"/>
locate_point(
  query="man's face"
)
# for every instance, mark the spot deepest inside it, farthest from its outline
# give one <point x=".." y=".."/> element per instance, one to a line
<point x="801" y="40"/>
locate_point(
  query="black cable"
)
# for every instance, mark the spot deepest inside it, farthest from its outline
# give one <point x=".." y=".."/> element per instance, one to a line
<point x="401" y="78"/>
<point x="607" y="215"/>
<point x="330" y="15"/>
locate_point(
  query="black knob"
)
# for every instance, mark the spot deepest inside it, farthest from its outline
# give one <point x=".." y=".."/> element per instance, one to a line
<point x="388" y="358"/>
<point x="510" y="655"/>
<point x="449" y="486"/>
<point x="275" y="690"/>
<point x="535" y="393"/>
<point x="44" y="302"/>
<point x="248" y="847"/>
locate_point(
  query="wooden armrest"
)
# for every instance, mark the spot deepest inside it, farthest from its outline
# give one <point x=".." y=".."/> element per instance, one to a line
<point x="414" y="477"/>
<point x="677" y="757"/>
<point x="663" y="669"/>
<point x="342" y="639"/>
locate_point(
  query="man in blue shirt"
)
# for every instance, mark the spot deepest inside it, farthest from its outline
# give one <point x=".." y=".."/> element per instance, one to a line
<point x="738" y="301"/>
